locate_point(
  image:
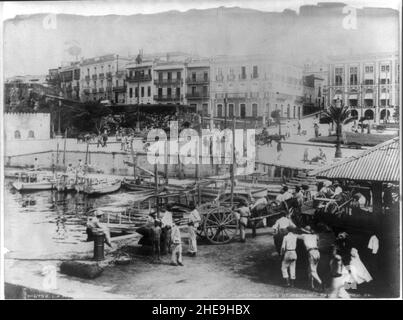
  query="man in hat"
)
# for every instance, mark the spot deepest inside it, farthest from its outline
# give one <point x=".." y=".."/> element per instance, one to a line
<point x="243" y="214"/>
<point x="280" y="230"/>
<point x="289" y="257"/>
<point x="94" y="225"/>
<point x="176" y="241"/>
<point x="193" y="224"/>
<point x="311" y="240"/>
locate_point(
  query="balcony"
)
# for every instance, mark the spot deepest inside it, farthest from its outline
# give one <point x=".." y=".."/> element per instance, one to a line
<point x="94" y="77"/>
<point x="69" y="89"/>
<point x="109" y="75"/>
<point x="94" y="90"/>
<point x="101" y="90"/>
<point x="168" y="82"/>
<point x="139" y="78"/>
<point x="76" y="88"/>
<point x="101" y="76"/>
<point x="237" y="95"/>
<point x="196" y="80"/>
<point x="168" y="98"/>
<point x="197" y="95"/>
<point x="86" y="91"/>
<point x="219" y="77"/>
<point x="119" y="89"/>
<point x="254" y="95"/>
<point x="87" y="78"/>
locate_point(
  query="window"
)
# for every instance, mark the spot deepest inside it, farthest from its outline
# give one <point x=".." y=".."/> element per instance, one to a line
<point x="385" y="81"/>
<point x="193" y="91"/>
<point x="149" y="73"/>
<point x="102" y="83"/>
<point x="178" y="92"/>
<point x="205" y="91"/>
<point x="31" y="134"/>
<point x="219" y="110"/>
<point x="338" y="79"/>
<point x="369" y="81"/>
<point x="169" y="92"/>
<point x="130" y="92"/>
<point x="17" y="134"/>
<point x="160" y="76"/>
<point x="136" y="92"/>
<point x="231" y="110"/>
<point x="159" y="92"/>
<point x="205" y="109"/>
<point x="149" y="91"/>
<point x="243" y="72"/>
<point x="169" y="75"/>
<point x="205" y="76"/>
<point x="243" y="110"/>
<point x="117" y="83"/>
<point x="369" y="69"/>
<point x="255" y="73"/>
<point x="178" y="75"/>
<point x="142" y="91"/>
<point x="194" y="76"/>
<point x="254" y="110"/>
<point x="353" y="76"/>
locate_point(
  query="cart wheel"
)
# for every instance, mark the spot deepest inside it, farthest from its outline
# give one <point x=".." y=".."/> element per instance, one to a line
<point x="220" y="225"/>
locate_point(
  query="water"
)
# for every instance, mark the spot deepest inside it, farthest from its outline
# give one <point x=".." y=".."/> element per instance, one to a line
<point x="45" y="222"/>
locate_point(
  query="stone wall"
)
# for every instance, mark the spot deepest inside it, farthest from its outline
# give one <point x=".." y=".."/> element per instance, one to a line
<point x="26" y="126"/>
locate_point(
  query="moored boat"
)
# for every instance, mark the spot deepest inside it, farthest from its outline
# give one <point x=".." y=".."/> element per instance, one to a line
<point x="32" y="181"/>
<point x="94" y="186"/>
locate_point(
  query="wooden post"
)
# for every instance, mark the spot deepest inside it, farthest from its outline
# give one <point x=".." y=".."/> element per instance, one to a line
<point x="156" y="188"/>
<point x="64" y="149"/>
<point x="134" y="159"/>
<point x="377" y="198"/>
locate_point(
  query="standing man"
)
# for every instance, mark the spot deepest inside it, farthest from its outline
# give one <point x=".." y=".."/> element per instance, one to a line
<point x="279" y="149"/>
<point x="156" y="239"/>
<point x="193" y="224"/>
<point x="36" y="164"/>
<point x="316" y="128"/>
<point x="311" y="244"/>
<point x="243" y="215"/>
<point x="280" y="230"/>
<point x="299" y="128"/>
<point x="289" y="257"/>
<point x="176" y="245"/>
<point x="167" y="223"/>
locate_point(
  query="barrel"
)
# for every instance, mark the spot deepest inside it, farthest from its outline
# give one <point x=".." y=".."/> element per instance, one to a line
<point x="99" y="239"/>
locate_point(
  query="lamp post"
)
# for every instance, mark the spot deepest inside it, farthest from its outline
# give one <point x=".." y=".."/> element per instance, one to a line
<point x="338" y="132"/>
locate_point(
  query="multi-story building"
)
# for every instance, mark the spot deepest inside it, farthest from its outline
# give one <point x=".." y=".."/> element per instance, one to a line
<point x="255" y="85"/>
<point x="69" y="77"/>
<point x="139" y="82"/>
<point x="369" y="84"/>
<point x="104" y="78"/>
<point x="198" y="86"/>
<point x="169" y="82"/>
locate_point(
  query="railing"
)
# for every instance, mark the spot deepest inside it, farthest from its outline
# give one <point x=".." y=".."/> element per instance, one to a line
<point x="197" y="80"/>
<point x="87" y="78"/>
<point x="101" y="76"/>
<point x="101" y="90"/>
<point x="119" y="88"/>
<point x="94" y="90"/>
<point x="197" y="95"/>
<point x="109" y="75"/>
<point x="168" y="98"/>
<point x="86" y="91"/>
<point x="94" y="77"/>
<point x="162" y="82"/>
<point x="139" y="78"/>
<point x="237" y="95"/>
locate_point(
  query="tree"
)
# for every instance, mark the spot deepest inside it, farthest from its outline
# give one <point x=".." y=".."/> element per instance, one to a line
<point x="89" y="116"/>
<point x="339" y="116"/>
<point x="276" y="115"/>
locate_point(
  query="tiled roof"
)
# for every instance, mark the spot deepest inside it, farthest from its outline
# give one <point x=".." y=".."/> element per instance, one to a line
<point x="380" y="163"/>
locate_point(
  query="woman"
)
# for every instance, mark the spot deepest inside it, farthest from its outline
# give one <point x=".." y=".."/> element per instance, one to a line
<point x="359" y="273"/>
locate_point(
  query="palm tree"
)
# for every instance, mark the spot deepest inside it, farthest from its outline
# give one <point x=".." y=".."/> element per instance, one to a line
<point x="339" y="115"/>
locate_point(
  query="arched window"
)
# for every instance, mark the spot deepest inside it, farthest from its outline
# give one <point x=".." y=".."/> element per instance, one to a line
<point x="31" y="134"/>
<point x="17" y="134"/>
<point x="369" y="114"/>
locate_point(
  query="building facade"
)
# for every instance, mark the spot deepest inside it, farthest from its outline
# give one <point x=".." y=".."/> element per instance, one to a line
<point x="139" y="82"/>
<point x="254" y="86"/>
<point x="104" y="78"/>
<point x="198" y="86"/>
<point x="26" y="126"/>
<point x="369" y="84"/>
<point x="69" y="77"/>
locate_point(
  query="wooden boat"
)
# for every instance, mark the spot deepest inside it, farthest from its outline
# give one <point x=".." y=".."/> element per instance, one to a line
<point x="31" y="181"/>
<point x="65" y="182"/>
<point x="94" y="186"/>
<point x="141" y="183"/>
<point x="212" y="189"/>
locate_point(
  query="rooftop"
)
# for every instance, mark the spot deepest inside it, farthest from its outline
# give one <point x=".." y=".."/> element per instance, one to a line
<point x="380" y="163"/>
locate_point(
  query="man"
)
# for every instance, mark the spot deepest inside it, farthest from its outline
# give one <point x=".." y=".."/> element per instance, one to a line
<point x="286" y="194"/>
<point x="259" y="205"/>
<point x="299" y="196"/>
<point x="156" y="239"/>
<point x="167" y="223"/>
<point x="311" y="240"/>
<point x="69" y="168"/>
<point x="280" y="230"/>
<point x="243" y="215"/>
<point x="337" y="189"/>
<point x="80" y="166"/>
<point x="93" y="225"/>
<point x="176" y="246"/>
<point x="193" y="224"/>
<point x="299" y="128"/>
<point x="373" y="248"/>
<point x="289" y="257"/>
<point x="316" y="128"/>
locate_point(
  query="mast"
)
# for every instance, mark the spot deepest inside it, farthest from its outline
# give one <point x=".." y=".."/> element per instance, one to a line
<point x="233" y="161"/>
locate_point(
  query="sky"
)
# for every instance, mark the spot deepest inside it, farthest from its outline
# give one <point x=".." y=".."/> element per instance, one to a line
<point x="125" y="7"/>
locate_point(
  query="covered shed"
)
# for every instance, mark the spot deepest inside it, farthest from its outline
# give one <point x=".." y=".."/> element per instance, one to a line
<point x="376" y="166"/>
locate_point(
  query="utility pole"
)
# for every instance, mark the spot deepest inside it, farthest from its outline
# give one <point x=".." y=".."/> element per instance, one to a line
<point x="138" y="62"/>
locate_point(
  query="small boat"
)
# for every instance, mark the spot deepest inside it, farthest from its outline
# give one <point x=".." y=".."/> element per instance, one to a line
<point x="141" y="183"/>
<point x="31" y="181"/>
<point x="211" y="189"/>
<point x="65" y="182"/>
<point x="94" y="186"/>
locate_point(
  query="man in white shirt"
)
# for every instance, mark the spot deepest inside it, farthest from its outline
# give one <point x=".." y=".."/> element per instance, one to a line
<point x="311" y="244"/>
<point x="337" y="189"/>
<point x="176" y="240"/>
<point x="289" y="257"/>
<point x="280" y="229"/>
<point x="373" y="248"/>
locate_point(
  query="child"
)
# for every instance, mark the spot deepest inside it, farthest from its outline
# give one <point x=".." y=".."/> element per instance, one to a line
<point x="156" y="239"/>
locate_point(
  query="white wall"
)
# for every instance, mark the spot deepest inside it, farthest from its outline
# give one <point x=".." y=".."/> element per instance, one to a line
<point x="39" y="123"/>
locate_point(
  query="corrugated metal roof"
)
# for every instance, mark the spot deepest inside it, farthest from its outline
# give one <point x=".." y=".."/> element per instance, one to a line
<point x="380" y="163"/>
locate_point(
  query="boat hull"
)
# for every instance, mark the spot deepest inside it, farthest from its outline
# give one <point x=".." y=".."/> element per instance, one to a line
<point x="21" y="186"/>
<point x="102" y="188"/>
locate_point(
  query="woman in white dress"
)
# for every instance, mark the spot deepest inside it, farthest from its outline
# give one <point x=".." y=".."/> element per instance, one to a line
<point x="358" y="271"/>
